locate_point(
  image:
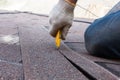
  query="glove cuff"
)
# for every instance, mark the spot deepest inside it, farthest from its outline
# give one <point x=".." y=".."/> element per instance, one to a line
<point x="73" y="4"/>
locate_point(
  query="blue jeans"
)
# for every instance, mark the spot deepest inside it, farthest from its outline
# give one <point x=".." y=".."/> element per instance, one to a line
<point x="102" y="37"/>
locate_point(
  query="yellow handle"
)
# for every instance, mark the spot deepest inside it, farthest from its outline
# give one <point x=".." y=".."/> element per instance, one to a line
<point x="57" y="39"/>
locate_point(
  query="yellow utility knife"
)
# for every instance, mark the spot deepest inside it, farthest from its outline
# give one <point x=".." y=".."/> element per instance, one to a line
<point x="57" y="39"/>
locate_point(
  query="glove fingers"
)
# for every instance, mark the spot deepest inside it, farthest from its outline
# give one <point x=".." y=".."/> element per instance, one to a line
<point x="65" y="32"/>
<point x="53" y="30"/>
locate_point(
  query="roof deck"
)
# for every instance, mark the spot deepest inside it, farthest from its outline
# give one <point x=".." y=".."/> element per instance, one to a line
<point x="28" y="52"/>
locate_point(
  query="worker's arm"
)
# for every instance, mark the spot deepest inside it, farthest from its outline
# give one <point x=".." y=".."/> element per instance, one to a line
<point x="73" y="1"/>
<point x="61" y="17"/>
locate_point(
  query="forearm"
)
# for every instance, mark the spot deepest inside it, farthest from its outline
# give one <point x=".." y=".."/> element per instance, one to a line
<point x="73" y="1"/>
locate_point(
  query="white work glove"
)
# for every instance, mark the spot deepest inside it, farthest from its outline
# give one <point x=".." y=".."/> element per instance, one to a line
<point x="61" y="18"/>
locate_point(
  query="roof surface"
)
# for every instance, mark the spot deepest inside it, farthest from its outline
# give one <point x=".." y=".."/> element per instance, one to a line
<point x="28" y="52"/>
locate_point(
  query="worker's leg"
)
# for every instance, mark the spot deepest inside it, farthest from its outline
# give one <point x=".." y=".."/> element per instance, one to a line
<point x="102" y="38"/>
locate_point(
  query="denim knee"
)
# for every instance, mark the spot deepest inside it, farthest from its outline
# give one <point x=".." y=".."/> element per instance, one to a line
<point x="101" y="48"/>
<point x="102" y="37"/>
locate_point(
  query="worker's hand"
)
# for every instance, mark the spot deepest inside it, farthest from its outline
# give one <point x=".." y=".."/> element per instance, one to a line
<point x="61" y="18"/>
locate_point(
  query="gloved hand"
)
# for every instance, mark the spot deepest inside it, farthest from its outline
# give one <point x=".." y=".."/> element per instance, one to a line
<point x="61" y="18"/>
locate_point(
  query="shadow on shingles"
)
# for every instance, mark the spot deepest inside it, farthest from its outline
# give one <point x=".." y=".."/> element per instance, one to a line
<point x="113" y="68"/>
